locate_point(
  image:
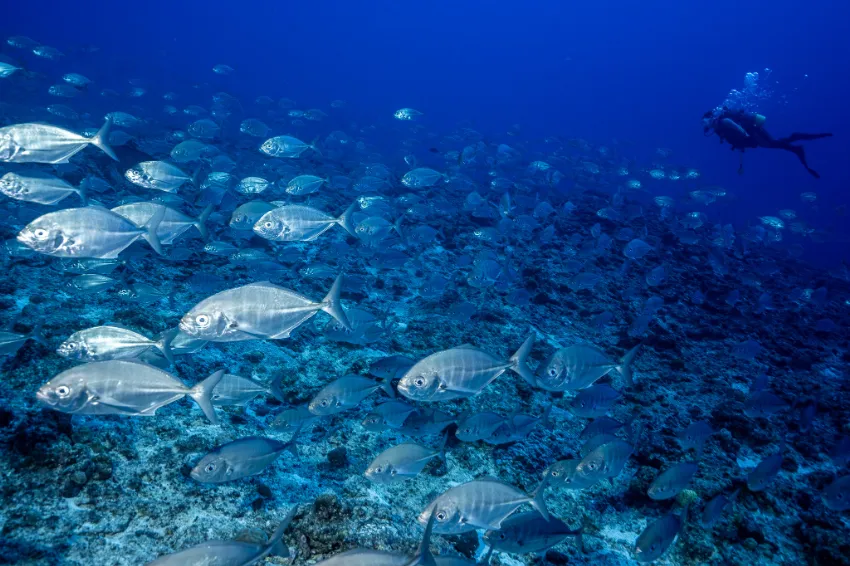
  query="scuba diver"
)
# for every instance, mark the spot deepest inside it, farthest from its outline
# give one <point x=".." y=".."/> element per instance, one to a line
<point x="746" y="130"/>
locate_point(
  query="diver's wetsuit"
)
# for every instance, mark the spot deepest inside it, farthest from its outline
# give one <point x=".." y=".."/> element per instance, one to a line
<point x="742" y="131"/>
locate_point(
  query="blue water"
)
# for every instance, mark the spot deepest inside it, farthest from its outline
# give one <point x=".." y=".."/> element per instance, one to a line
<point x="605" y="84"/>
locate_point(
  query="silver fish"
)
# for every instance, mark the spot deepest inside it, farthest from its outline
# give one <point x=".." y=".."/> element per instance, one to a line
<point x="836" y="496"/>
<point x="579" y="366"/>
<point x="257" y="311"/>
<point x="388" y="415"/>
<point x="672" y="481"/>
<point x="403" y="462"/>
<point x="713" y="509"/>
<point x="102" y="343"/>
<point x="517" y="426"/>
<point x="425" y="421"/>
<point x="38" y="187"/>
<point x="241" y="458"/>
<point x="230" y="552"/>
<point x="91" y="232"/>
<point x="238" y="390"/>
<point x="159" y="175"/>
<point x="593" y="402"/>
<point x="173" y="225"/>
<point x="478" y="426"/>
<point x="291" y="420"/>
<point x="461" y="372"/>
<point x="526" y="533"/>
<point x="345" y="393"/>
<point x="43" y="143"/>
<point x="562" y="474"/>
<point x="286" y="146"/>
<point x="694" y="436"/>
<point x="296" y="223"/>
<point x="607" y="461"/>
<point x="657" y="537"/>
<point x="246" y="215"/>
<point x="391" y="367"/>
<point x="479" y="504"/>
<point x="123" y="387"/>
<point x="766" y="471"/>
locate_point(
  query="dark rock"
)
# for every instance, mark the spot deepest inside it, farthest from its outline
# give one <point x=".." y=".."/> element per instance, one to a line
<point x="338" y="458"/>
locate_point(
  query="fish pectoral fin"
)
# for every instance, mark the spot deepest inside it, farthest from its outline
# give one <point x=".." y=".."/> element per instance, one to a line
<point x="118" y="406"/>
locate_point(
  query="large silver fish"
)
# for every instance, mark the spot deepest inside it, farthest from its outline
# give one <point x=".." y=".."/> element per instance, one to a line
<point x="460" y="372"/>
<point x="402" y="462"/>
<point x="101" y="343"/>
<point x="173" y="225"/>
<point x="43" y="143"/>
<point x="159" y="175"/>
<point x="92" y="232"/>
<point x="241" y="458"/>
<point x="123" y="387"/>
<point x="296" y="223"/>
<point x="479" y="504"/>
<point x="38" y="187"/>
<point x="230" y="552"/>
<point x="526" y="533"/>
<point x="256" y="312"/>
<point x="657" y="537"/>
<point x="345" y="393"/>
<point x="579" y="366"/>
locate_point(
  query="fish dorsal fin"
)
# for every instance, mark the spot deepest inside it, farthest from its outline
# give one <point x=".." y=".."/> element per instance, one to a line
<point x="266" y="284"/>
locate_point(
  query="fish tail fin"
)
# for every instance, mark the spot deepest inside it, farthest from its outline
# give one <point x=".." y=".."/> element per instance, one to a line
<point x="101" y="139"/>
<point x="313" y="146"/>
<point x="37" y="335"/>
<point x="518" y="360"/>
<point x="164" y="344"/>
<point x="276" y="545"/>
<point x="152" y="226"/>
<point x="387" y="386"/>
<point x="81" y="191"/>
<point x="196" y="176"/>
<point x="276" y="391"/>
<point x="397" y="226"/>
<point x="547" y="413"/>
<point x="291" y="445"/>
<point x="423" y="555"/>
<point x="442" y="454"/>
<point x="625" y="367"/>
<point x="537" y="500"/>
<point x="345" y="219"/>
<point x="331" y="305"/>
<point x="201" y="223"/>
<point x="202" y="395"/>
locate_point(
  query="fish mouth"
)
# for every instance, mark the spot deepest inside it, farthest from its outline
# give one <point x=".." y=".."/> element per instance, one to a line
<point x="44" y="396"/>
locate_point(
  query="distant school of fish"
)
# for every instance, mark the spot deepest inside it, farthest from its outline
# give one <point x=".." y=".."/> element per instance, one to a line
<point x="127" y="373"/>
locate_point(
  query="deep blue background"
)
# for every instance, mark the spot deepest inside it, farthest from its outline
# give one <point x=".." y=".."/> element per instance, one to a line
<point x="643" y="71"/>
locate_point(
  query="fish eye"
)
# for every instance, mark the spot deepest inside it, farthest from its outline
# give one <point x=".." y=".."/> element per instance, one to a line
<point x="63" y="390"/>
<point x="441" y="516"/>
<point x="379" y="470"/>
<point x="324" y="403"/>
<point x="40" y="233"/>
<point x="419" y="382"/>
<point x="502" y="536"/>
<point x="555" y="474"/>
<point x="268" y="224"/>
<point x="202" y="320"/>
<point x="209" y="468"/>
<point x="553" y="372"/>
